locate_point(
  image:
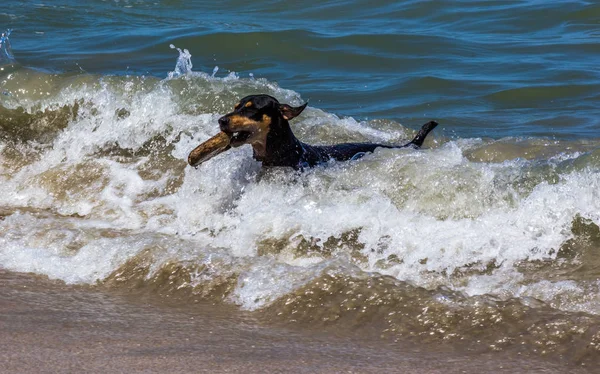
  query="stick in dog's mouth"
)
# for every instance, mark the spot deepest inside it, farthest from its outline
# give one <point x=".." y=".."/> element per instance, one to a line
<point x="210" y="148"/>
<point x="217" y="145"/>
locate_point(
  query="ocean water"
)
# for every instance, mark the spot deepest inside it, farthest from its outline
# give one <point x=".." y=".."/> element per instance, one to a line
<point x="487" y="239"/>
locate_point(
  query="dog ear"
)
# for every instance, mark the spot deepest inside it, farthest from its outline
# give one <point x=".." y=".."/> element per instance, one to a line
<point x="290" y="112"/>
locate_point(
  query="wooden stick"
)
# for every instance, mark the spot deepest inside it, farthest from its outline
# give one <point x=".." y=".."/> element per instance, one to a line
<point x="209" y="149"/>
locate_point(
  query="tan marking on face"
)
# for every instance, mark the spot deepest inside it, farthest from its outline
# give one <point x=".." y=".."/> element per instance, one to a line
<point x="237" y="106"/>
<point x="248" y="104"/>
<point x="258" y="131"/>
<point x="259" y="142"/>
<point x="240" y="123"/>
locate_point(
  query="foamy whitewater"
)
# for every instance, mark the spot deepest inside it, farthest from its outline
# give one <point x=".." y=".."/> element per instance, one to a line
<point x="96" y="189"/>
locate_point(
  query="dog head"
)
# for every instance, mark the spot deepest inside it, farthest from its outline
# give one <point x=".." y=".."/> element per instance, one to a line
<point x="254" y="117"/>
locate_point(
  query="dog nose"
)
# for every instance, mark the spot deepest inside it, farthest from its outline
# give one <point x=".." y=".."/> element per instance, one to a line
<point x="224" y="123"/>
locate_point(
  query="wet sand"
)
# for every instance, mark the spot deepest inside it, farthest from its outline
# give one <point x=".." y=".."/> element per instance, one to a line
<point x="48" y="327"/>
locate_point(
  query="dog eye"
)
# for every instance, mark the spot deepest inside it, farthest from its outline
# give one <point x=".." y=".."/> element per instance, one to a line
<point x="248" y="109"/>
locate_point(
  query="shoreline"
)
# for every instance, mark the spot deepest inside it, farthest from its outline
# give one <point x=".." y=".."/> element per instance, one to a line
<point x="47" y="326"/>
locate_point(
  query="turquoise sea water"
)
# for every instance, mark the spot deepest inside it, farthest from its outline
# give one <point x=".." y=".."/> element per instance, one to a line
<point x="482" y="68"/>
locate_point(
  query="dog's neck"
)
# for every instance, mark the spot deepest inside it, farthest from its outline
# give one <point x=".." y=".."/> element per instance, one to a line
<point x="281" y="147"/>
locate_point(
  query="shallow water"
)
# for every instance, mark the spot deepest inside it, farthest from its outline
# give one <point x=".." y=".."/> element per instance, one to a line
<point x="52" y="327"/>
<point x="486" y="240"/>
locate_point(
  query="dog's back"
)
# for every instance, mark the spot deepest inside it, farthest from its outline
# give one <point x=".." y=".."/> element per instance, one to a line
<point x="314" y="154"/>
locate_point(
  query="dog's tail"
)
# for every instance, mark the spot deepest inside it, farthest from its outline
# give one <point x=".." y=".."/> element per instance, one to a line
<point x="417" y="142"/>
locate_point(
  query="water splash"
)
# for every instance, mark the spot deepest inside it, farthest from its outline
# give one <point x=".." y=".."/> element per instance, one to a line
<point x="6" y="56"/>
<point x="183" y="65"/>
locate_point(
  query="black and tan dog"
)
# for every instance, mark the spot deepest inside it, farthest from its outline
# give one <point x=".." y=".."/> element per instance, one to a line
<point x="262" y="122"/>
